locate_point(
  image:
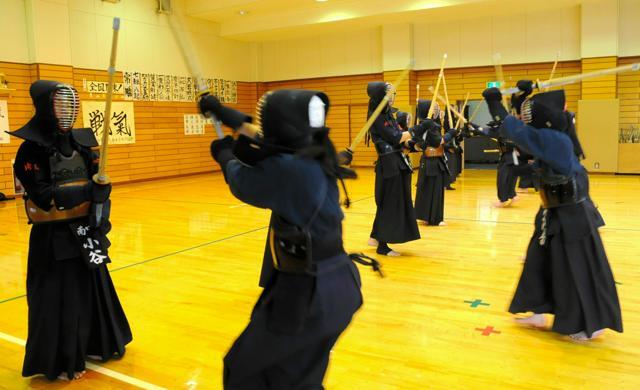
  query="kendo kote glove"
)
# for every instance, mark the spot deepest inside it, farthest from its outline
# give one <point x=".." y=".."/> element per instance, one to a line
<point x="493" y="97"/>
<point x="99" y="193"/>
<point x="419" y="130"/>
<point x="433" y="138"/>
<point x="474" y="130"/>
<point x="345" y="157"/>
<point x="210" y="104"/>
<point x="526" y="88"/>
<point x="222" y="152"/>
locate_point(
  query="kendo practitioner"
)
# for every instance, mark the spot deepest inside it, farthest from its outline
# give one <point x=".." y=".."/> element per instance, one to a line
<point x="313" y="289"/>
<point x="508" y="164"/>
<point x="404" y="120"/>
<point x="450" y="150"/>
<point x="525" y="172"/>
<point x="566" y="271"/>
<point x="507" y="172"/>
<point x="74" y="311"/>
<point x="395" y="220"/>
<point x="451" y="154"/>
<point x="433" y="171"/>
<point x="457" y="153"/>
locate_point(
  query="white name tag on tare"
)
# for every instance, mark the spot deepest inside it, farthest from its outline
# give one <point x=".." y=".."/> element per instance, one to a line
<point x="515" y="157"/>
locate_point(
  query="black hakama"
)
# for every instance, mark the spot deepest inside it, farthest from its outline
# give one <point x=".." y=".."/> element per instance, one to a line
<point x="570" y="275"/>
<point x="429" y="204"/>
<point x="73" y="312"/>
<point x="452" y="164"/>
<point x="566" y="270"/>
<point x="395" y="220"/>
<point x="288" y="342"/>
<point x="459" y="162"/>
<point x="506" y="180"/>
<point x="599" y="220"/>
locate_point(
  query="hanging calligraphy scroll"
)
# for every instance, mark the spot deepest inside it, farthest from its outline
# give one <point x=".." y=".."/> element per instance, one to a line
<point x="123" y="129"/>
<point x="153" y="87"/>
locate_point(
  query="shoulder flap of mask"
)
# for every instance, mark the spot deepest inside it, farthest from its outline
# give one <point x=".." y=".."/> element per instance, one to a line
<point x="31" y="132"/>
<point x="84" y="137"/>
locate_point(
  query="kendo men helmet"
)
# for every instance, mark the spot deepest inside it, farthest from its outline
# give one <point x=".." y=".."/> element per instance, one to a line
<point x="545" y="110"/>
<point x="404" y="119"/>
<point x="422" y="109"/>
<point x="57" y="105"/>
<point x="291" y="118"/>
<point x="376" y="91"/>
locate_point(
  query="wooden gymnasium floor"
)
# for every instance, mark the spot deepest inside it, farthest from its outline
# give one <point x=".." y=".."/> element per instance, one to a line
<point x="186" y="261"/>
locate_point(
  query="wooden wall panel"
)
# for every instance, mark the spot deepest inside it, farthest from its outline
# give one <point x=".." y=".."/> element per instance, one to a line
<point x="463" y="80"/>
<point x="19" y="77"/>
<point x="628" y="89"/>
<point x="161" y="148"/>
<point x="602" y="87"/>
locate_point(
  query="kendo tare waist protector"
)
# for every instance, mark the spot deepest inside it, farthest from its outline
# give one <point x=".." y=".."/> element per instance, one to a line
<point x="434" y="152"/>
<point x="561" y="191"/>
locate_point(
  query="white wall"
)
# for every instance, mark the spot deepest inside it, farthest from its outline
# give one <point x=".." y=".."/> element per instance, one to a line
<point x="519" y="38"/>
<point x="355" y="52"/>
<point x="13" y="32"/>
<point x="146" y="41"/>
<point x="78" y="33"/>
<point x="629" y="28"/>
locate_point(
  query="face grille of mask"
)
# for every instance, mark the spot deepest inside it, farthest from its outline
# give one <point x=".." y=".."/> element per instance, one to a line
<point x="436" y="110"/>
<point x="259" y="108"/>
<point x="66" y="105"/>
<point x="526" y="111"/>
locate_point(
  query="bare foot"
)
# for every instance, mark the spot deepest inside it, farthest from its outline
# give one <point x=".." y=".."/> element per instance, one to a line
<point x="393" y="253"/>
<point x="372" y="242"/>
<point x="442" y="223"/>
<point x="79" y="374"/>
<point x="501" y="204"/>
<point x="582" y="336"/>
<point x="536" y="320"/>
<point x="515" y="198"/>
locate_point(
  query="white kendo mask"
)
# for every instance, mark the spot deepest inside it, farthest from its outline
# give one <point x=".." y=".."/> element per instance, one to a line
<point x="316" y="112"/>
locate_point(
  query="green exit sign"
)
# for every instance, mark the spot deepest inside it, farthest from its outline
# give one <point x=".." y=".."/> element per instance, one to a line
<point x="493" y="84"/>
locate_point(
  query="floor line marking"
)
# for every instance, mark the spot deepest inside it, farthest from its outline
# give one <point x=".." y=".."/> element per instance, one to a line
<point x="504" y="222"/>
<point x="178" y="252"/>
<point x="95" y="367"/>
<point x="163" y="256"/>
<point x="188" y="249"/>
<point x="13" y="298"/>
